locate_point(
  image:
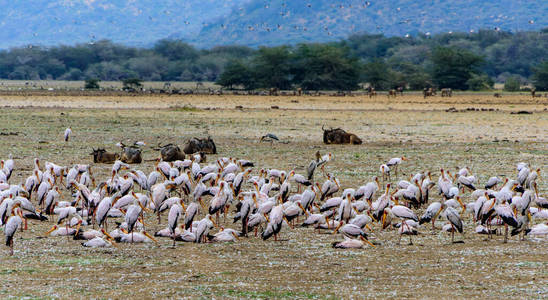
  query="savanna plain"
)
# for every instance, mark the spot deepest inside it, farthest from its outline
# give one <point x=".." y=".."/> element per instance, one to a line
<point x="489" y="140"/>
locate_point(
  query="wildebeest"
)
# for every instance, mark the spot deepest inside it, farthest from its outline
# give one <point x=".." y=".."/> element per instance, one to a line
<point x="339" y="136"/>
<point x="171" y="152"/>
<point x="400" y="90"/>
<point x="371" y="91"/>
<point x="131" y="155"/>
<point x="200" y="145"/>
<point x="446" y="92"/>
<point x="428" y="92"/>
<point x="104" y="157"/>
<point x="392" y="93"/>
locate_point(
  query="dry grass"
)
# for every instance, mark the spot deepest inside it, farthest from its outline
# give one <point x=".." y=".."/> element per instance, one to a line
<point x="305" y="265"/>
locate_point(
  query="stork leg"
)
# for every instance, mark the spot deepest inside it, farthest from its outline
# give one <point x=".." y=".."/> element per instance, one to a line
<point x="173" y="239"/>
<point x="452" y="234"/>
<point x="505" y="233"/>
<point x="226" y="211"/>
<point x="489" y="227"/>
<point x="11" y="248"/>
<point x="158" y="217"/>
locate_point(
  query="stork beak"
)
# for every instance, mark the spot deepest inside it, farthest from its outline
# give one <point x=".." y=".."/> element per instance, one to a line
<point x="142" y="207"/>
<point x="201" y="203"/>
<point x="150" y="237"/>
<point x="461" y="204"/>
<point x="515" y="211"/>
<point x="368" y="227"/>
<point x="288" y="222"/>
<point x="106" y="234"/>
<point x="78" y="227"/>
<point x="338" y="227"/>
<point x="529" y="217"/>
<point x="384" y="220"/>
<point x="212" y="221"/>
<point x="235" y="235"/>
<point x="367" y="241"/>
<point x="51" y="230"/>
<point x="113" y="243"/>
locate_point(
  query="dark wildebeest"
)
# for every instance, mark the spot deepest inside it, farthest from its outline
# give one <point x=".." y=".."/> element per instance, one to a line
<point x="446" y="92"/>
<point x="400" y="90"/>
<point x="200" y="145"/>
<point x="392" y="93"/>
<point x="171" y="152"/>
<point x="131" y="155"/>
<point x="339" y="136"/>
<point x="371" y="91"/>
<point x="103" y="157"/>
<point x="428" y="92"/>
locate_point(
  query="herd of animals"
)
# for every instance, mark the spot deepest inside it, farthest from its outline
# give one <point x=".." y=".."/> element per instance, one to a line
<point x="194" y="194"/>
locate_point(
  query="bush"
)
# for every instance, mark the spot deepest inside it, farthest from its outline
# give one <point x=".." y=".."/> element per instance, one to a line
<point x="92" y="84"/>
<point x="480" y="83"/>
<point x="512" y="84"/>
<point x="132" y="84"/>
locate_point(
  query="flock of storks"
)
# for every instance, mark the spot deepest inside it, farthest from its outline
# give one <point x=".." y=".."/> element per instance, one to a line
<point x="195" y="195"/>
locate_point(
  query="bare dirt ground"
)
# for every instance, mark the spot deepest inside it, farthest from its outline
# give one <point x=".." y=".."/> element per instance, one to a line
<point x="304" y="265"/>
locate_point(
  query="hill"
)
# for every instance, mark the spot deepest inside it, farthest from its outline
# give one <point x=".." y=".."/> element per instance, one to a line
<point x="207" y="23"/>
<point x="130" y="22"/>
<point x="277" y="22"/>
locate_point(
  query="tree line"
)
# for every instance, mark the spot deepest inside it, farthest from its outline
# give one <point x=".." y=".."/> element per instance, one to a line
<point x="463" y="61"/>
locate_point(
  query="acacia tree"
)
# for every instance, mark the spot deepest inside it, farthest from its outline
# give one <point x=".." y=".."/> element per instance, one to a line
<point x="320" y="66"/>
<point x="236" y="73"/>
<point x="453" y="67"/>
<point x="271" y="67"/>
<point x="377" y="74"/>
<point x="540" y="76"/>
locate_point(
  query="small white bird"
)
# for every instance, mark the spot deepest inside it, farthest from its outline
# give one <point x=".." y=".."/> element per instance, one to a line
<point x="68" y="132"/>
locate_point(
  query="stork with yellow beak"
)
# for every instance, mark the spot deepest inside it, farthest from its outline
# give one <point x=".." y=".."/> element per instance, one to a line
<point x="12" y="224"/>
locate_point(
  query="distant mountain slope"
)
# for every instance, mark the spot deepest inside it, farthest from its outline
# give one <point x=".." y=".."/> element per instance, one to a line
<point x="252" y="22"/>
<point x="274" y="22"/>
<point x="134" y="22"/>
